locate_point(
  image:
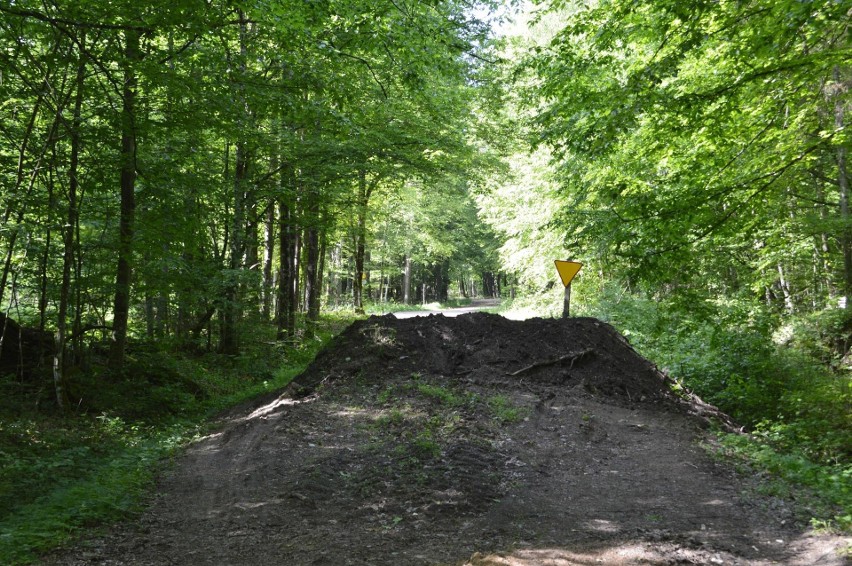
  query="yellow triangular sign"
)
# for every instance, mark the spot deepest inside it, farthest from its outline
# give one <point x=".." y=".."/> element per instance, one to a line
<point x="567" y="270"/>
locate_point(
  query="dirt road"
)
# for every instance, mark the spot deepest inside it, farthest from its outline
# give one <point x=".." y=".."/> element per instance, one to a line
<point x="472" y="441"/>
<point x="476" y="305"/>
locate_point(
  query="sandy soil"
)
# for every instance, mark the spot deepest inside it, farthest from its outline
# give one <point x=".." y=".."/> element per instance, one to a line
<point x="473" y="441"/>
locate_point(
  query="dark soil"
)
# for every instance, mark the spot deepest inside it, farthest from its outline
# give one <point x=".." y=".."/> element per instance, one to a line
<point x="473" y="440"/>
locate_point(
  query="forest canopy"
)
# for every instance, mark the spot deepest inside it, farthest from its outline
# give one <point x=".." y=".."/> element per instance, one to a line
<point x="177" y="169"/>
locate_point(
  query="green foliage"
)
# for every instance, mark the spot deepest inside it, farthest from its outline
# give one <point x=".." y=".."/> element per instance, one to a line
<point x="504" y="411"/>
<point x="796" y="408"/>
<point x="694" y="146"/>
<point x="831" y="498"/>
<point x="441" y="394"/>
<point x="725" y="353"/>
<point x="62" y="476"/>
<point x="59" y="477"/>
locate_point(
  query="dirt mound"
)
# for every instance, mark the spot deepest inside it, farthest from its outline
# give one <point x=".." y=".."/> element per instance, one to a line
<point x="582" y="355"/>
<point x="471" y="441"/>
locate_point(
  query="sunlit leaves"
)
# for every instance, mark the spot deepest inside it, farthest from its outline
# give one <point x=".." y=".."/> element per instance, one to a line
<point x="682" y="130"/>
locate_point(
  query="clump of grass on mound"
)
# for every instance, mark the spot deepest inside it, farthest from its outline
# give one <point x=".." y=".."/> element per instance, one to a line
<point x="64" y="475"/>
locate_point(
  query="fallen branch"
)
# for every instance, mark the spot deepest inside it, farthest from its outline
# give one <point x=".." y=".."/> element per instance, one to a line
<point x="574" y="357"/>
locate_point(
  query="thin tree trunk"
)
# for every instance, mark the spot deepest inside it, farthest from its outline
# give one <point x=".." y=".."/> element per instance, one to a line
<point x="360" y="244"/>
<point x="42" y="300"/>
<point x="269" y="254"/>
<point x="843" y="185"/>
<point x="68" y="232"/>
<point x="149" y="316"/>
<point x="285" y="304"/>
<point x="785" y="289"/>
<point x="229" y="341"/>
<point x="365" y="191"/>
<point x="406" y="281"/>
<point x="323" y="238"/>
<point x="121" y="306"/>
<point x="77" y="325"/>
<point x="310" y="270"/>
<point x="231" y="310"/>
<point x="298" y="239"/>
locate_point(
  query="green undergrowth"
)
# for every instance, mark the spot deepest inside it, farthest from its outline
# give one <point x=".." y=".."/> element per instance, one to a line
<point x="823" y="491"/>
<point x="65" y="475"/>
<point x="781" y="377"/>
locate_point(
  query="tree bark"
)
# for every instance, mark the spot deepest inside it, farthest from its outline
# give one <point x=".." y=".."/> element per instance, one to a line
<point x="843" y="186"/>
<point x="269" y="254"/>
<point x="231" y="309"/>
<point x="121" y="305"/>
<point x="406" y="281"/>
<point x="68" y="231"/>
<point x="310" y="268"/>
<point x="365" y="191"/>
<point x="784" y="285"/>
<point x="285" y="307"/>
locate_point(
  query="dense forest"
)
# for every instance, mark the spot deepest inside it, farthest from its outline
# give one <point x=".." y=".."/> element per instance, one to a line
<point x="194" y="193"/>
<point x="179" y="169"/>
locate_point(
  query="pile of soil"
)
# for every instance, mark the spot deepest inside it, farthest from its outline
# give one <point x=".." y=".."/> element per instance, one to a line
<point x="471" y="441"/>
<point x="582" y="355"/>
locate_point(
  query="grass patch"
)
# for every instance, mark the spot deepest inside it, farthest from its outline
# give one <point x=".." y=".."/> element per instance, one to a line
<point x="64" y="476"/>
<point x="825" y="489"/>
<point x="504" y="411"/>
<point x="441" y="394"/>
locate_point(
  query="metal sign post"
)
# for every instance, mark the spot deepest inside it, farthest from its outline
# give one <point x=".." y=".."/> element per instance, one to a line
<point x="567" y="271"/>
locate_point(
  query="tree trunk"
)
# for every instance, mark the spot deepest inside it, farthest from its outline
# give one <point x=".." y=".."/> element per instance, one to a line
<point x="784" y="284"/>
<point x="323" y="248"/>
<point x="310" y="268"/>
<point x="269" y="254"/>
<point x="285" y="305"/>
<point x="312" y="256"/>
<point x="365" y="190"/>
<point x="231" y="311"/>
<point x="42" y="299"/>
<point x="406" y="281"/>
<point x="68" y="231"/>
<point x="442" y="281"/>
<point x="121" y="305"/>
<point x="843" y="185"/>
<point x="149" y="316"/>
<point x="360" y="245"/>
